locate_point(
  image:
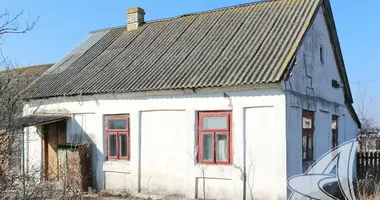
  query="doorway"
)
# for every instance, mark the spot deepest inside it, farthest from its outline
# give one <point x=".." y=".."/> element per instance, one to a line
<point x="54" y="134"/>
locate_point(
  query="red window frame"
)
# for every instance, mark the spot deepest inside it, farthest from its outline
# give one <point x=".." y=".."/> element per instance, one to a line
<point x="334" y="132"/>
<point x="309" y="134"/>
<point x="118" y="132"/>
<point x="214" y="133"/>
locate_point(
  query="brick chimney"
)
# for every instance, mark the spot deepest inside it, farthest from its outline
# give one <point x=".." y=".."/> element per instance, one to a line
<point x="135" y="18"/>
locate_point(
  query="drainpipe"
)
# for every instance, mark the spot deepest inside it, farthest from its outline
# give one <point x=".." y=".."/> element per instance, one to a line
<point x="244" y="170"/>
<point x="245" y="158"/>
<point x="27" y="152"/>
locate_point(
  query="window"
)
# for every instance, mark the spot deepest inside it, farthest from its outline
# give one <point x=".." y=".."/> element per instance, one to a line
<point x="117" y="133"/>
<point x="307" y="135"/>
<point x="214" y="137"/>
<point x="334" y="128"/>
<point x="321" y="56"/>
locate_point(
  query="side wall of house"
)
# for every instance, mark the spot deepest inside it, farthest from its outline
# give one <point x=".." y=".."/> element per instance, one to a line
<point x="164" y="142"/>
<point x="309" y="87"/>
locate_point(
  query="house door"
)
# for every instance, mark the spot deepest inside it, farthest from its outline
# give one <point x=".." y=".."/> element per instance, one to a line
<point x="54" y="134"/>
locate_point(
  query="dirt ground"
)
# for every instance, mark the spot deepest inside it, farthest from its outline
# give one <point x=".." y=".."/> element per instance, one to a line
<point x="127" y="197"/>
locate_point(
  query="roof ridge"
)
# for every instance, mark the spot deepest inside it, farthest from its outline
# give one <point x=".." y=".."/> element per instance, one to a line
<point x="28" y="67"/>
<point x="190" y="14"/>
<point x="39" y="65"/>
<point x="229" y="7"/>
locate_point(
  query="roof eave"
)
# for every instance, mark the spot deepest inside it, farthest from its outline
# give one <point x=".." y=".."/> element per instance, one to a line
<point x="336" y="48"/>
<point x="195" y="90"/>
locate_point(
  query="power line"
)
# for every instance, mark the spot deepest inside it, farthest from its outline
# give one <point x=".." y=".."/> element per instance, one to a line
<point x="365" y="81"/>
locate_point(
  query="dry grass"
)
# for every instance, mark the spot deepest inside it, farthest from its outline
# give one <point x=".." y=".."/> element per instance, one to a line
<point x="371" y="197"/>
<point x="368" y="188"/>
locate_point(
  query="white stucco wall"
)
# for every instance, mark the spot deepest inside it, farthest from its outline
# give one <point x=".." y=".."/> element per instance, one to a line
<point x="163" y="142"/>
<point x="32" y="150"/>
<point x="309" y="87"/>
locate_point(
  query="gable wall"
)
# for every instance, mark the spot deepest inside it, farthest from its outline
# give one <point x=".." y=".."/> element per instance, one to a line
<point x="309" y="75"/>
<point x="309" y="87"/>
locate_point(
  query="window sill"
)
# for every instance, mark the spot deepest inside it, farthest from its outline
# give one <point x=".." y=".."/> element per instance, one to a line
<point x="120" y="166"/>
<point x="214" y="164"/>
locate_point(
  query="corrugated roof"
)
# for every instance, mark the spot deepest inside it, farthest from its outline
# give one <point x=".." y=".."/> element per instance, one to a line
<point x="12" y="82"/>
<point x="19" y="78"/>
<point x="240" y="45"/>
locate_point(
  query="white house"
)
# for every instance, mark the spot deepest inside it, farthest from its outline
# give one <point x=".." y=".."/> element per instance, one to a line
<point x="226" y="104"/>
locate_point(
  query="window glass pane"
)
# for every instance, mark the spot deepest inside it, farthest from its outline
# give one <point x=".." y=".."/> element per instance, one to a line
<point x="221" y="147"/>
<point x="304" y="147"/>
<point x="307" y="122"/>
<point x="112" y="145"/>
<point x="123" y="145"/>
<point x="207" y="147"/>
<point x="117" y="124"/>
<point x="310" y="147"/>
<point x="334" y="124"/>
<point x="215" y="122"/>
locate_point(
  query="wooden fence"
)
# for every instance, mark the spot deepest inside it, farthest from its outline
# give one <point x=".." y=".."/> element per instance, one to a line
<point x="368" y="165"/>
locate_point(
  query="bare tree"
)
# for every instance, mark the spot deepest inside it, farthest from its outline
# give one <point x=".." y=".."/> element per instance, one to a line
<point x="202" y="170"/>
<point x="369" y="132"/>
<point x="363" y="102"/>
<point x="368" y="124"/>
<point x="10" y="108"/>
<point x="16" y="183"/>
<point x="10" y="23"/>
<point x="368" y="127"/>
